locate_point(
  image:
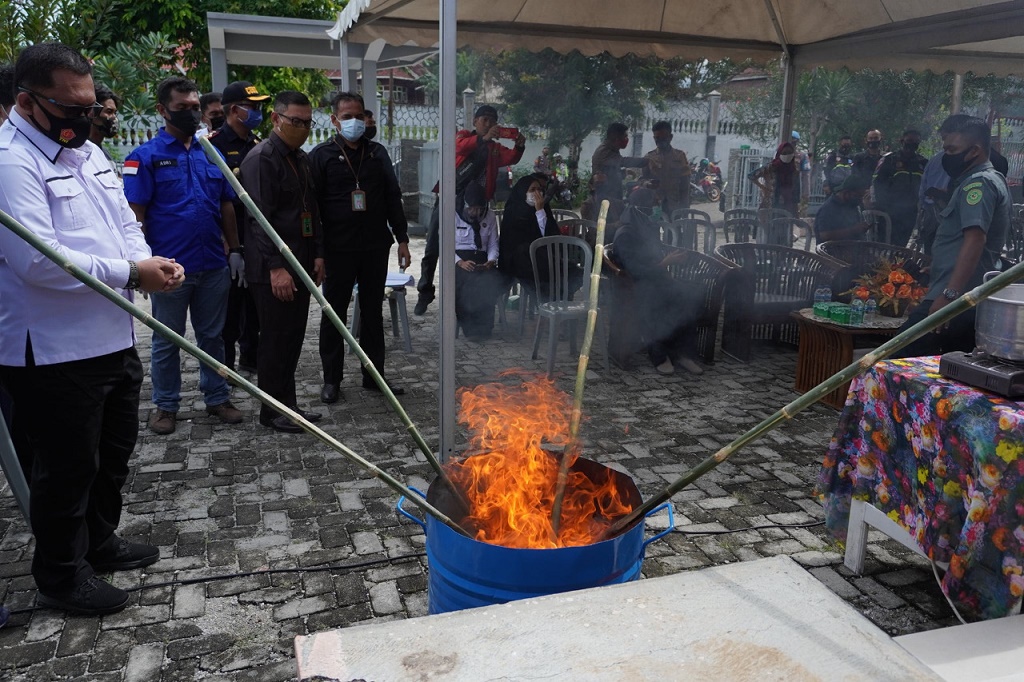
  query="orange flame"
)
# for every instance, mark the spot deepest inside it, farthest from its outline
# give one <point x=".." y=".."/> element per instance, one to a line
<point x="510" y="484"/>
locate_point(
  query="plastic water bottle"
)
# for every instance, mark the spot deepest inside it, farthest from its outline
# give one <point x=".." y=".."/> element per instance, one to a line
<point x="870" y="311"/>
<point x="857" y="312"/>
<point x="819" y="301"/>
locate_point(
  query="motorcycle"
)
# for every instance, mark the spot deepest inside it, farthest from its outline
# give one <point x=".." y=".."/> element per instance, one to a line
<point x="707" y="184"/>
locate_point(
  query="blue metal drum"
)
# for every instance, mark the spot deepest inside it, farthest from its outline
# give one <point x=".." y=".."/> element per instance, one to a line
<point x="466" y="573"/>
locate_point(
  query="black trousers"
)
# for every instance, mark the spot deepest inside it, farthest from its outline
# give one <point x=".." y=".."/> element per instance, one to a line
<point x="428" y="264"/>
<point x="242" y="326"/>
<point x="958" y="334"/>
<point x="79" y="461"/>
<point x="283" y="325"/>
<point x="344" y="270"/>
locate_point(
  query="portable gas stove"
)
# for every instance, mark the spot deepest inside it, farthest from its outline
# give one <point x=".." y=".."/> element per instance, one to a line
<point x="981" y="370"/>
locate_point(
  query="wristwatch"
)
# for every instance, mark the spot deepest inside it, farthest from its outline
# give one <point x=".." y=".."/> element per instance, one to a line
<point x="134" y="280"/>
<point x="951" y="294"/>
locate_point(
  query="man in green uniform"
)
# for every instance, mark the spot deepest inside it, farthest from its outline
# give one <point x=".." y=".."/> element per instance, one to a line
<point x="970" y="236"/>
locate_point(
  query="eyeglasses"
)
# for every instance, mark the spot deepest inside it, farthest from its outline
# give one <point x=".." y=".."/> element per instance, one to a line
<point x="69" y="110"/>
<point x="308" y="124"/>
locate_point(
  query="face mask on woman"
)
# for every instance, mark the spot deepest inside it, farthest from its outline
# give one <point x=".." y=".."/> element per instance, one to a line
<point x="785" y="158"/>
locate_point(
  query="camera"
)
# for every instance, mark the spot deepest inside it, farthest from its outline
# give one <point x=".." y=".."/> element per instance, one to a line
<point x="507" y="133"/>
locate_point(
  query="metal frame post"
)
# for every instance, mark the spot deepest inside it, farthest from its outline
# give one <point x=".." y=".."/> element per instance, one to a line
<point x="788" y="97"/>
<point x="446" y="394"/>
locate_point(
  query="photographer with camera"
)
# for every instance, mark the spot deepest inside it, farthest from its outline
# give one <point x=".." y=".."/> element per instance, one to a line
<point x="478" y="156"/>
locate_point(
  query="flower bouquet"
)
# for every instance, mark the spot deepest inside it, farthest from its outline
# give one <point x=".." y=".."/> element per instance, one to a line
<point x="894" y="289"/>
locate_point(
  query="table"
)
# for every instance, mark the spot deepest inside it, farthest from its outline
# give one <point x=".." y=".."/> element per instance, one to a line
<point x="767" y="619"/>
<point x="827" y="347"/>
<point x="945" y="462"/>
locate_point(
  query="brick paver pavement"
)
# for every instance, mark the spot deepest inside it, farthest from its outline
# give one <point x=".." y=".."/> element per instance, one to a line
<point x="223" y="499"/>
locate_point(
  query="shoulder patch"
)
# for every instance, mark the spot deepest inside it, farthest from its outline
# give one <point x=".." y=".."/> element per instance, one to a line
<point x="972" y="185"/>
<point x="974" y="196"/>
<point x="131" y="167"/>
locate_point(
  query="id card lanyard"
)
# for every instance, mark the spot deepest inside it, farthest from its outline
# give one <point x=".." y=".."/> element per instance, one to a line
<point x="306" y="216"/>
<point x="358" y="195"/>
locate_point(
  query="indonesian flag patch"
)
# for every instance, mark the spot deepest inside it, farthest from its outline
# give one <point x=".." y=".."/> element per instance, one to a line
<point x="131" y="168"/>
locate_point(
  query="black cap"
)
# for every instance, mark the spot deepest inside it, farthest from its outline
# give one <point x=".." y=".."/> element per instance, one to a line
<point x="242" y="91"/>
<point x="486" y="110"/>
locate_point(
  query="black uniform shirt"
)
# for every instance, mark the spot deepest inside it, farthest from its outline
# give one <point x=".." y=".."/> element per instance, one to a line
<point x="336" y="180"/>
<point x="234" y="149"/>
<point x="280" y="183"/>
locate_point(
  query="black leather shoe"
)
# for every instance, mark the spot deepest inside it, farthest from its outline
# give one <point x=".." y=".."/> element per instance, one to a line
<point x="424" y="300"/>
<point x="124" y="556"/>
<point x="281" y="423"/>
<point x="330" y="393"/>
<point x="371" y="385"/>
<point x="94" y="597"/>
<point x="311" y="417"/>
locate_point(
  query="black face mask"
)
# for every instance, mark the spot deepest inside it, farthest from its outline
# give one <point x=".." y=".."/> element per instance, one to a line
<point x="371" y="132"/>
<point x="911" y="146"/>
<point x="71" y="133"/>
<point x="216" y="122"/>
<point x="106" y="126"/>
<point x="186" y="120"/>
<point x="955" y="164"/>
<point x="845" y="149"/>
<point x="874" y="144"/>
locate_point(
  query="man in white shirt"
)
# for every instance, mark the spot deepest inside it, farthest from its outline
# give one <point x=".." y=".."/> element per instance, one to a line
<point x="67" y="355"/>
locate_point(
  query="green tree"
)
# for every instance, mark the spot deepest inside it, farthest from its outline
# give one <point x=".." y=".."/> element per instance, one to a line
<point x="86" y="25"/>
<point x="570" y="96"/>
<point x="132" y="70"/>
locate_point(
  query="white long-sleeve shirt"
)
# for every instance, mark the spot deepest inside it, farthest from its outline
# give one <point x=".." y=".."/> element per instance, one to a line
<point x="71" y="199"/>
<point x="488" y="236"/>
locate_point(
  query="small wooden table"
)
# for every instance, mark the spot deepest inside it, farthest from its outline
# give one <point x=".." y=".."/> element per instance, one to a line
<point x="827" y="347"/>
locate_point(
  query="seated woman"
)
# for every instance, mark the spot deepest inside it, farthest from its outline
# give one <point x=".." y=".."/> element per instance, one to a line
<point x="665" y="308"/>
<point x="477" y="280"/>
<point x="526" y="218"/>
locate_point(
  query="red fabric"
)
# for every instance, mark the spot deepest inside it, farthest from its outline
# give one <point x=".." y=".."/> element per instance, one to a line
<point x="465" y="144"/>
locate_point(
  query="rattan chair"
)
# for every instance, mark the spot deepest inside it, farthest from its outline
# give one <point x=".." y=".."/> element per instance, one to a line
<point x="565" y="260"/>
<point x="707" y="274"/>
<point x="771" y="282"/>
<point x="859" y="257"/>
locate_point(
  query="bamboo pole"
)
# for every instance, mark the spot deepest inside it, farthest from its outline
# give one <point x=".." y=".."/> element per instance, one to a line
<point x="221" y="369"/>
<point x="329" y="311"/>
<point x="581" y="373"/>
<point x="969" y="300"/>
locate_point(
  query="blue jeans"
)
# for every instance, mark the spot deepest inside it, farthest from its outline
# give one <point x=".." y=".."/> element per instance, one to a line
<point x="205" y="296"/>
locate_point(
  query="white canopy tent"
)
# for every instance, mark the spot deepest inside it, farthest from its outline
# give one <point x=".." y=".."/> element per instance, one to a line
<point x="983" y="36"/>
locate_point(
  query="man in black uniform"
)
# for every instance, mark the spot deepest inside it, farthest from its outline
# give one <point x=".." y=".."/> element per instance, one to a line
<point x="838" y="164"/>
<point x="865" y="162"/>
<point x="243" y="110"/>
<point x="358" y="196"/>
<point x="278" y="178"/>
<point x="897" y="181"/>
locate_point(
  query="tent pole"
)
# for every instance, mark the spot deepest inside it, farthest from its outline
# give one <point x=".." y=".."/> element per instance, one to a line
<point x="446" y="308"/>
<point x="958" y="93"/>
<point x="788" y="97"/>
<point x="346" y="76"/>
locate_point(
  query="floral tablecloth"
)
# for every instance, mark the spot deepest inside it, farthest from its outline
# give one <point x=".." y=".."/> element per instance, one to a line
<point x="946" y="462"/>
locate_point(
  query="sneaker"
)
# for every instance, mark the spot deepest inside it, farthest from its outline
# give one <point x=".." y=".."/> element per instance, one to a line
<point x="124" y="556"/>
<point x="162" y="421"/>
<point x="666" y="367"/>
<point x="424" y="300"/>
<point x="226" y="412"/>
<point x="690" y="366"/>
<point x="94" y="597"/>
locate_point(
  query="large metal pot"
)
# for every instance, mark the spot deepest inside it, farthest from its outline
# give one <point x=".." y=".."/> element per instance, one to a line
<point x="999" y="328"/>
